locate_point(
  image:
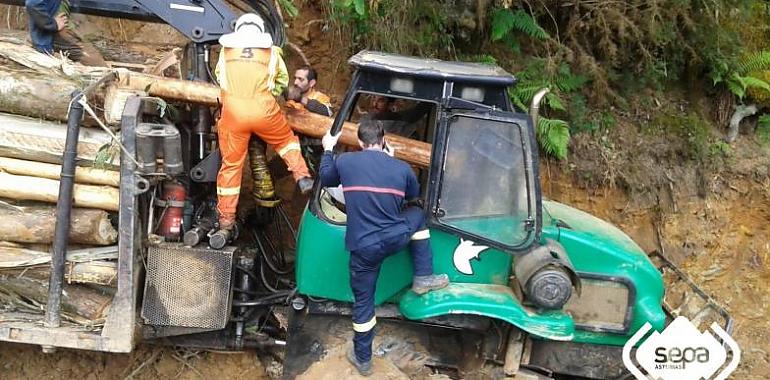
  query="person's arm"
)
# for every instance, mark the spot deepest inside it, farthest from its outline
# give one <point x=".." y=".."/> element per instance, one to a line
<point x="281" y="74"/>
<point x="37" y="12"/>
<point x="412" y="186"/>
<point x="317" y="107"/>
<point x="327" y="170"/>
<point x="220" y="71"/>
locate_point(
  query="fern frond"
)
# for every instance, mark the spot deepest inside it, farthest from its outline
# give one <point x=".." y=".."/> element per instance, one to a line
<point x="526" y="93"/>
<point x="524" y="22"/>
<point x="505" y="20"/>
<point x="569" y="82"/>
<point x="750" y="81"/>
<point x="554" y="136"/>
<point x="359" y="6"/>
<point x="736" y="87"/>
<point x="755" y="62"/>
<point x="554" y="101"/>
<point x="502" y="23"/>
<point x="289" y="7"/>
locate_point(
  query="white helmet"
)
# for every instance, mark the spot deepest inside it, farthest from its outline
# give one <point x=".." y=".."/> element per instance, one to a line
<point x="249" y="33"/>
<point x="250" y="19"/>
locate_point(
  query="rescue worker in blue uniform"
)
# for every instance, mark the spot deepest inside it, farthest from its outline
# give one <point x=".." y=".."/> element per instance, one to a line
<point x="380" y="222"/>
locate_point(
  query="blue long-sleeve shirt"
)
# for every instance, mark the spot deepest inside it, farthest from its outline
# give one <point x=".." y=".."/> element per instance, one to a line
<point x="375" y="186"/>
<point x="42" y="25"/>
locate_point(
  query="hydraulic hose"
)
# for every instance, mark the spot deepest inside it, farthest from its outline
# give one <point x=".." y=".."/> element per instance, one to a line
<point x="264" y="190"/>
<point x="63" y="211"/>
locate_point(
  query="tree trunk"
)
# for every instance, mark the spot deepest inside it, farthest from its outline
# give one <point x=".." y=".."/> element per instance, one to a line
<point x="47" y="190"/>
<point x="92" y="272"/>
<point x="310" y="124"/>
<point x="35" y="224"/>
<point x="314" y="125"/>
<point x="30" y="139"/>
<point x="30" y="93"/>
<point x="78" y="301"/>
<point x="52" y="171"/>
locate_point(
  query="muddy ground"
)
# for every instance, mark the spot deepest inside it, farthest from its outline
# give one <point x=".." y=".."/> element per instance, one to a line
<point x="714" y="220"/>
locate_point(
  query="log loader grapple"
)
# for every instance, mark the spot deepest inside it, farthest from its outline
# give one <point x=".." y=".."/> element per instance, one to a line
<point x="537" y="287"/>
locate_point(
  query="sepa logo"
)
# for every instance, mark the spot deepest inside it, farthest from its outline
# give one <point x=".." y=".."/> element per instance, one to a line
<point x="681" y="352"/>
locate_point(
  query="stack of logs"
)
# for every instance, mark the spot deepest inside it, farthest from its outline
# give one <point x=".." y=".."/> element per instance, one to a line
<point x="38" y="87"/>
<point x="34" y="96"/>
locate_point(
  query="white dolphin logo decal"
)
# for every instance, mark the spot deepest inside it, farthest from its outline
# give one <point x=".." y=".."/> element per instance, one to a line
<point x="464" y="253"/>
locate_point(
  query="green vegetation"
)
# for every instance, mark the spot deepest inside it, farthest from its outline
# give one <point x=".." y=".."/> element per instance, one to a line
<point x="591" y="54"/>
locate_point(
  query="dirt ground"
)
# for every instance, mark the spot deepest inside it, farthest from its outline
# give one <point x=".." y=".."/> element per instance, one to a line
<point x="720" y="240"/>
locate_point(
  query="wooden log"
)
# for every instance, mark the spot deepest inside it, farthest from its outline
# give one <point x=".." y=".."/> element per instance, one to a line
<point x="93" y="272"/>
<point x="84" y="175"/>
<point x="36" y="140"/>
<point x="78" y="301"/>
<point x="43" y="92"/>
<point x="313" y="125"/>
<point x="35" y="224"/>
<point x="47" y="190"/>
<point x="31" y="93"/>
<point x="14" y="255"/>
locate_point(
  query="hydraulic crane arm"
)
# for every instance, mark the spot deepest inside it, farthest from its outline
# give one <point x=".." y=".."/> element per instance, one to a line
<point x="202" y="21"/>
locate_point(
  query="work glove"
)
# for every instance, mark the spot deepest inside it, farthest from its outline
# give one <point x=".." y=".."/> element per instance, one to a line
<point x="329" y="141"/>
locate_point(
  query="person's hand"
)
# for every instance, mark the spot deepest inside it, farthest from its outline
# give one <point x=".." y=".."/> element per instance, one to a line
<point x="388" y="149"/>
<point x="61" y="21"/>
<point x="329" y="141"/>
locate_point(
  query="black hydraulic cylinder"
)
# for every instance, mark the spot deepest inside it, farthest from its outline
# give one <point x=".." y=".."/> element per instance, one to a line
<point x="203" y="123"/>
<point x="63" y="210"/>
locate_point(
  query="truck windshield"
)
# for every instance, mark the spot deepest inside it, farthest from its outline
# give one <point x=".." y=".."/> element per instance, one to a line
<point x="484" y="185"/>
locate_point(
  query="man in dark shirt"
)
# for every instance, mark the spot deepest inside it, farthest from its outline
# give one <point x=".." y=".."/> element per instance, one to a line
<point x="402" y="123"/>
<point x="376" y="186"/>
<point x="51" y="31"/>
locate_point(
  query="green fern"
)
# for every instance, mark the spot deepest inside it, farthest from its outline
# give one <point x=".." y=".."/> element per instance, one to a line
<point x="505" y="21"/>
<point x="568" y="82"/>
<point x="749" y="81"/>
<point x="554" y="101"/>
<point x="553" y="135"/>
<point x="755" y="62"/>
<point x="763" y="129"/>
<point x="289" y="7"/>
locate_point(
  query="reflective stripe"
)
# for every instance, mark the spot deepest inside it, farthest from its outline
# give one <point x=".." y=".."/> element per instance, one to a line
<point x="372" y="189"/>
<point x="225" y="191"/>
<point x="292" y="146"/>
<point x="364" y="327"/>
<point x="421" y="235"/>
<point x="272" y="68"/>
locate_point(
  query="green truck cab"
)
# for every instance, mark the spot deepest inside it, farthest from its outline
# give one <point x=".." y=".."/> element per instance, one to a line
<point x="557" y="280"/>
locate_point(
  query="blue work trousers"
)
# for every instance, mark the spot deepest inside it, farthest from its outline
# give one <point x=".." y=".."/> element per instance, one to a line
<point x="365" y="267"/>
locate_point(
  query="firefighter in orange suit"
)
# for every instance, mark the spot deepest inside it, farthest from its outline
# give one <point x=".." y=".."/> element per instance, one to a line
<point x="251" y="73"/>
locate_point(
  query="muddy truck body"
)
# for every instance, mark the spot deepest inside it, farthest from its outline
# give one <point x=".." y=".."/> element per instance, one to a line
<point x="537" y="287"/>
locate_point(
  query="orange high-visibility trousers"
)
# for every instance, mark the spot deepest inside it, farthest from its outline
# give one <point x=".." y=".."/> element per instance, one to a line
<point x="242" y="117"/>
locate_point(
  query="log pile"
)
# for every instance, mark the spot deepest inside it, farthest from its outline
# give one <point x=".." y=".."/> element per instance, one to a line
<point x="35" y="94"/>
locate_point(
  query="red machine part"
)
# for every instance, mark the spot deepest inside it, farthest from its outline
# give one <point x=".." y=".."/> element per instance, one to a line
<point x="171" y="220"/>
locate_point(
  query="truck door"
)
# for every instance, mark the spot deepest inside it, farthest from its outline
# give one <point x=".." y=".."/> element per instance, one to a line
<point x="484" y="182"/>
